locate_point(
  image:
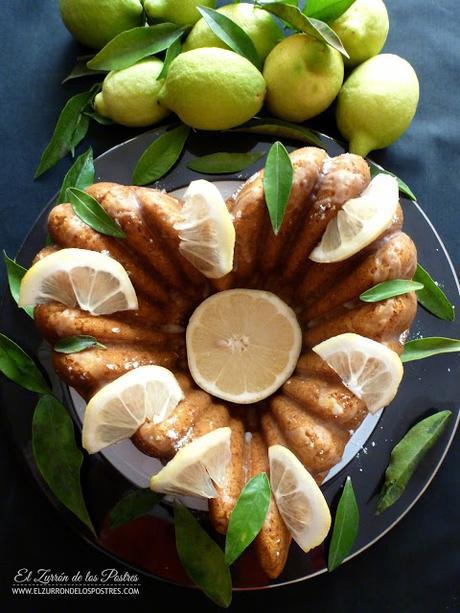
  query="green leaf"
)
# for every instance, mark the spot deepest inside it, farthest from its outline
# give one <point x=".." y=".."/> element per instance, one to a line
<point x="160" y="156"/>
<point x="15" y="273"/>
<point x="389" y="289"/>
<point x="278" y="176"/>
<point x="81" y="174"/>
<point x="80" y="69"/>
<point x="133" y="45"/>
<point x="91" y="212"/>
<point x="222" y="162"/>
<point x="281" y="129"/>
<point x="403" y="187"/>
<point x="247" y="517"/>
<point x="432" y="297"/>
<point x="20" y="368"/>
<point x="100" y="119"/>
<point x="80" y="132"/>
<point x="172" y="52"/>
<point x="133" y="505"/>
<point x="327" y="10"/>
<point x="201" y="557"/>
<point x="57" y="456"/>
<point x="346" y="526"/>
<point x="407" y="455"/>
<point x="75" y="344"/>
<point x="66" y="132"/>
<point x="231" y="34"/>
<point x="421" y="348"/>
<point x="314" y="27"/>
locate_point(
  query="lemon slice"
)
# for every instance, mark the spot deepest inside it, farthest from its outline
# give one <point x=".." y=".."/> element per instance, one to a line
<point x="118" y="409"/>
<point x="369" y="369"/>
<point x="242" y="344"/>
<point x="298" y="498"/>
<point x="196" y="467"/>
<point x="206" y="232"/>
<point x="360" y="221"/>
<point x="79" y="277"/>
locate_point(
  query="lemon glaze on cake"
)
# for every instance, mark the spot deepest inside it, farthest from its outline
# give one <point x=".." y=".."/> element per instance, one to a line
<point x="313" y="413"/>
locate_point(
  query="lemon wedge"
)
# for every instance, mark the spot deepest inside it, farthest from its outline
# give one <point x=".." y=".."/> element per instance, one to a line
<point x="369" y="369"/>
<point x="299" y="500"/>
<point x="79" y="277"/>
<point x="206" y="232"/>
<point x="360" y="221"/>
<point x="117" y="410"/>
<point x="196" y="467"/>
<point x="242" y="344"/>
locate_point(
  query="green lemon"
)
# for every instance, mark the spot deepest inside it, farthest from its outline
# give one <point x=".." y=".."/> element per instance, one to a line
<point x="363" y="30"/>
<point x="213" y="89"/>
<point x="303" y="77"/>
<point x="95" y="22"/>
<point x="130" y="96"/>
<point x="258" y="25"/>
<point x="182" y="12"/>
<point x="377" y="103"/>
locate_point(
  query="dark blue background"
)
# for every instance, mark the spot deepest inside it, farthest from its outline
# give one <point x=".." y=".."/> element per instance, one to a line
<point x="416" y="566"/>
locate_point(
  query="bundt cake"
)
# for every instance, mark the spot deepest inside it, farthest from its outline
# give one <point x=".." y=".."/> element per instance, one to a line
<point x="313" y="414"/>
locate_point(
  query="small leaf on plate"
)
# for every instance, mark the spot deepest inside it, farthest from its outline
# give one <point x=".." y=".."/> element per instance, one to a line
<point x="91" y="212"/>
<point x="57" y="456"/>
<point x="65" y="132"/>
<point x="15" y="273"/>
<point x="247" y="517"/>
<point x="81" y="174"/>
<point x="314" y="27"/>
<point x="389" y="289"/>
<point x="231" y="34"/>
<point x="160" y="156"/>
<point x="278" y="175"/>
<point x="281" y="129"/>
<point x="432" y="297"/>
<point x="133" y="505"/>
<point x="403" y="187"/>
<point x="421" y="348"/>
<point x="75" y="344"/>
<point x="407" y="454"/>
<point x="327" y="10"/>
<point x="171" y="53"/>
<point x="81" y="69"/>
<point x="201" y="557"/>
<point x="346" y="526"/>
<point x="20" y="368"/>
<point x="222" y="162"/>
<point x="133" y="45"/>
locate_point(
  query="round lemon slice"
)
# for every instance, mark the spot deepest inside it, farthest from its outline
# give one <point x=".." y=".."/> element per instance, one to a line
<point x="298" y="498"/>
<point x="369" y="369"/>
<point x="118" y="409"/>
<point x="360" y="221"/>
<point x="196" y="467"/>
<point x="242" y="344"/>
<point x="206" y="232"/>
<point x="79" y="277"/>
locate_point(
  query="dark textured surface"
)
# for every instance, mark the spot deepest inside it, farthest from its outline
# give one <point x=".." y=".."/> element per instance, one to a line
<point x="415" y="567"/>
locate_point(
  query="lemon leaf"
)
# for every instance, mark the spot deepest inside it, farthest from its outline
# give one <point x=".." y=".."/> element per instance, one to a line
<point x="327" y="10"/>
<point x="133" y="45"/>
<point x="81" y="174"/>
<point x="77" y="343"/>
<point x="160" y="156"/>
<point x="314" y="27"/>
<point x="421" y="348"/>
<point x="278" y="176"/>
<point x="15" y="272"/>
<point x="346" y="526"/>
<point x="52" y="429"/>
<point x="202" y="559"/>
<point x="282" y="129"/>
<point x="223" y="162"/>
<point x="172" y="52"/>
<point x="81" y="70"/>
<point x="432" y="297"/>
<point x="133" y="505"/>
<point x="231" y="34"/>
<point x="91" y="212"/>
<point x="247" y="517"/>
<point x="100" y="119"/>
<point x="17" y="366"/>
<point x="407" y="455"/>
<point x="389" y="289"/>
